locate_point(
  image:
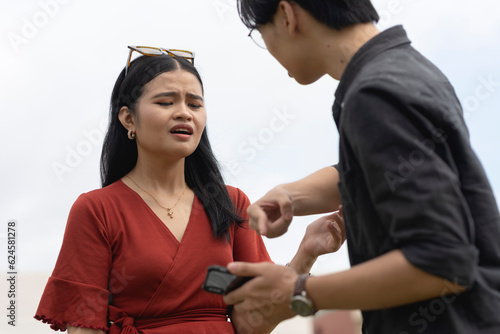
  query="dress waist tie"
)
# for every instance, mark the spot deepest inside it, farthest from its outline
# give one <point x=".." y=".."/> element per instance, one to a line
<point x="125" y="324"/>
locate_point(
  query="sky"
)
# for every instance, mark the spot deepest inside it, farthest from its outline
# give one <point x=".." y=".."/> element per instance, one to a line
<point x="60" y="59"/>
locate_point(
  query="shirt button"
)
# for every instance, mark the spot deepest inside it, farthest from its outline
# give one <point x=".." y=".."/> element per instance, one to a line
<point x="342" y="105"/>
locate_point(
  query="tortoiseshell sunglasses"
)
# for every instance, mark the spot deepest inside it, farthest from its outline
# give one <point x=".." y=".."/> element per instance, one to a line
<point x="152" y="51"/>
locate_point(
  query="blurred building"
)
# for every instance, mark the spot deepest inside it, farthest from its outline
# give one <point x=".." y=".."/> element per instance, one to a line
<point x="337" y="322"/>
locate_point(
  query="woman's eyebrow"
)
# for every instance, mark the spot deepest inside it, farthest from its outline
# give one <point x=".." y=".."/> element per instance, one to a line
<point x="194" y="96"/>
<point x="165" y="94"/>
<point x="168" y="94"/>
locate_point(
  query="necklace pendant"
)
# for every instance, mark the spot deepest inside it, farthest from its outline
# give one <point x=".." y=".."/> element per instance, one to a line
<point x="169" y="210"/>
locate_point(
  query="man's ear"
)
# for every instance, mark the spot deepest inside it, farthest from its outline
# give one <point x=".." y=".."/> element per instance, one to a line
<point x="287" y="17"/>
<point x="127" y="119"/>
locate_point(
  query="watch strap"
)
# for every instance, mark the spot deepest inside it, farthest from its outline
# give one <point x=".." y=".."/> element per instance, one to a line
<point x="300" y="285"/>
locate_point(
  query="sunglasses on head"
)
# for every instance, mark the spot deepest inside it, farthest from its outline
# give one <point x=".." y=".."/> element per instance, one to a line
<point x="153" y="51"/>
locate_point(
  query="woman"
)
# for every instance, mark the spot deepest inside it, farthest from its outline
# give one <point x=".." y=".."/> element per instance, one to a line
<point x="135" y="252"/>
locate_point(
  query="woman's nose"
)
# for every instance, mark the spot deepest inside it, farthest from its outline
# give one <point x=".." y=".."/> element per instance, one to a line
<point x="183" y="112"/>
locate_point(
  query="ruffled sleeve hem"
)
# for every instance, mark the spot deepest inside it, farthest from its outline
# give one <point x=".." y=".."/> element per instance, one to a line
<point x="59" y="326"/>
<point x="73" y="303"/>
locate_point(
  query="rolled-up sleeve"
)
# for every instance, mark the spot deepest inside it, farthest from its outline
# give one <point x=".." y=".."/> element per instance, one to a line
<point x="407" y="165"/>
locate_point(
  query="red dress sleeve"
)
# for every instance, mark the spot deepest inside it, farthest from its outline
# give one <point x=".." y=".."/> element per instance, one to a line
<point x="77" y="292"/>
<point x="248" y="245"/>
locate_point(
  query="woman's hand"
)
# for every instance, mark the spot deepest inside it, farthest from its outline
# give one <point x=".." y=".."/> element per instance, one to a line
<point x="324" y="235"/>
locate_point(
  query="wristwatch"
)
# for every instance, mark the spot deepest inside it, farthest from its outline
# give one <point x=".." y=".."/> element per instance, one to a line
<point x="300" y="303"/>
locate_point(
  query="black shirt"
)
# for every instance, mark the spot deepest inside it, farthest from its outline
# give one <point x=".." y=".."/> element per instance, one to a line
<point x="410" y="180"/>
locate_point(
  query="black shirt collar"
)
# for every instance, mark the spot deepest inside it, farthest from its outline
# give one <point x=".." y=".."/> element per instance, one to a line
<point x="387" y="39"/>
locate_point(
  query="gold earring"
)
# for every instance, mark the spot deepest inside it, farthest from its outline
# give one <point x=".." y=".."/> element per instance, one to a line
<point x="131" y="135"/>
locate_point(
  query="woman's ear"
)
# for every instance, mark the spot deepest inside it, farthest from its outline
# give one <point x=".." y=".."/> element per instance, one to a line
<point x="127" y="119"/>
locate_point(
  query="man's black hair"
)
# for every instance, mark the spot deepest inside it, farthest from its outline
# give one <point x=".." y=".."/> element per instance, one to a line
<point x="336" y="14"/>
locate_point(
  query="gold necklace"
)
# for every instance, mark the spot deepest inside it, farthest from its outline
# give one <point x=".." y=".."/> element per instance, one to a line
<point x="170" y="211"/>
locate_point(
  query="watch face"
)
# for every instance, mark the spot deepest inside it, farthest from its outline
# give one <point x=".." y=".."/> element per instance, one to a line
<point x="302" y="306"/>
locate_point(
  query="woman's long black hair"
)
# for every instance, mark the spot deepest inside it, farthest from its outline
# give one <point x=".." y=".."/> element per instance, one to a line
<point x="202" y="172"/>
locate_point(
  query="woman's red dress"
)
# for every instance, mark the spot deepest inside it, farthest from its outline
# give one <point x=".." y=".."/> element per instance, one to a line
<point x="121" y="269"/>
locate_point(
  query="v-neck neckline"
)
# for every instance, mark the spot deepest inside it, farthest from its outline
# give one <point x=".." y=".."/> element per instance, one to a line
<point x="158" y="219"/>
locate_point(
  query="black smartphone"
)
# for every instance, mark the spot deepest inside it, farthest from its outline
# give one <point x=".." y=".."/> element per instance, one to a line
<point x="219" y="280"/>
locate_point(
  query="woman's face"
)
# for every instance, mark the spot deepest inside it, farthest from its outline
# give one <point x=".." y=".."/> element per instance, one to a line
<point x="170" y="115"/>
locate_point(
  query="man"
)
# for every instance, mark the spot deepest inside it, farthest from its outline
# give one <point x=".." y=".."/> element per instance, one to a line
<point x="421" y="220"/>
